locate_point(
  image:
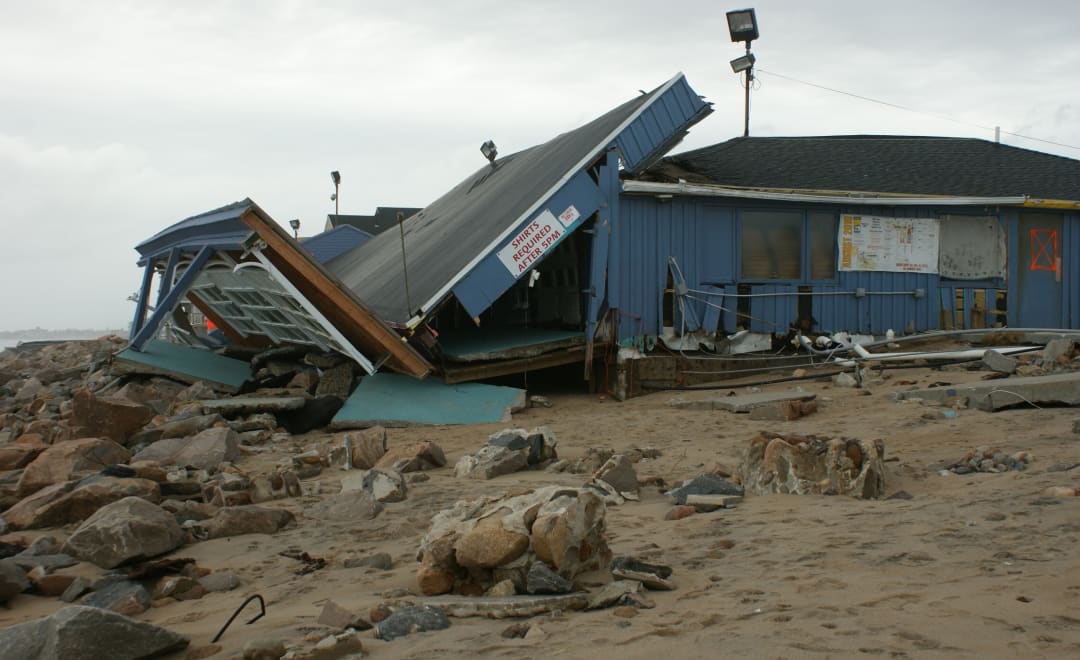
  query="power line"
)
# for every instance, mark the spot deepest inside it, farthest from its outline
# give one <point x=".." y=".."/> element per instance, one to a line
<point x="918" y="112"/>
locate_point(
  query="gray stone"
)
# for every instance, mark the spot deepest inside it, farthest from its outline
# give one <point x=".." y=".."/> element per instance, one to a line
<point x="205" y="451"/>
<point x="612" y="593"/>
<point x="13" y="580"/>
<point x="49" y="563"/>
<point x="489" y="462"/>
<point x="79" y="586"/>
<point x="220" y="581"/>
<point x="995" y="361"/>
<point x="408" y="620"/>
<point x="77" y="632"/>
<point x="541" y="579"/>
<point x="353" y="506"/>
<point x="124" y="531"/>
<point x="845" y="379"/>
<point x="384" y="485"/>
<point x="1058" y="350"/>
<point x="238" y="520"/>
<point x="705" y="484"/>
<point x="619" y="472"/>
<point x="128" y="598"/>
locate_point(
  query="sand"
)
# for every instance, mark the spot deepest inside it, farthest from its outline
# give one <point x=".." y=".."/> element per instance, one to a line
<point x="971" y="566"/>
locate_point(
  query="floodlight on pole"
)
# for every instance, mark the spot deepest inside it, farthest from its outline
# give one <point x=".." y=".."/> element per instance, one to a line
<point x="742" y="26"/>
<point x="295" y="224"/>
<point x="489" y="151"/>
<point x="335" y="176"/>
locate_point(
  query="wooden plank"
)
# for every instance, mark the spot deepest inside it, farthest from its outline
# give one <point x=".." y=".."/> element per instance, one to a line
<point x="340" y="306"/>
<point x="505" y="367"/>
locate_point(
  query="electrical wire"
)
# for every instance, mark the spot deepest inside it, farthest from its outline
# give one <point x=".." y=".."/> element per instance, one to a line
<point x="918" y="112"/>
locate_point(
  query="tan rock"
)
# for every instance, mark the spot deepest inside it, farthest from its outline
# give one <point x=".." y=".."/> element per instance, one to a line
<point x="489" y="544"/>
<point x="61" y="461"/>
<point x="116" y="419"/>
<point x="413" y="458"/>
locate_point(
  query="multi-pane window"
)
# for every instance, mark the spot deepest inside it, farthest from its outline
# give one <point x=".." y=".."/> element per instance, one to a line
<point x="775" y="245"/>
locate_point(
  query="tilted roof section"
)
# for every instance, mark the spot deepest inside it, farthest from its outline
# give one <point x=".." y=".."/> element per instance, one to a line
<point x="384" y="218"/>
<point x="872" y="163"/>
<point x="443" y="241"/>
<point x="220" y="228"/>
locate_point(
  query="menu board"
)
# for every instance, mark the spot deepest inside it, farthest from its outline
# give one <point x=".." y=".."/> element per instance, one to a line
<point x="906" y="245"/>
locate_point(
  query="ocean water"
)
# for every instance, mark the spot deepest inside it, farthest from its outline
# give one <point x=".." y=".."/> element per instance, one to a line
<point x="5" y="343"/>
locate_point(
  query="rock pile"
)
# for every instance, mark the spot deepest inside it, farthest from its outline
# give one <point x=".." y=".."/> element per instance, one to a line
<point x="809" y="464"/>
<point x="476" y="545"/>
<point x="989" y="459"/>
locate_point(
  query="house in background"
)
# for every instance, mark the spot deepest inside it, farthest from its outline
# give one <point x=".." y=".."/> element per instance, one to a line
<point x="383" y="218"/>
<point x="855" y="233"/>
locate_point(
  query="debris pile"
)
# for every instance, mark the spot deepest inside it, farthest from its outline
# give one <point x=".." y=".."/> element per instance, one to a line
<point x="507" y="451"/>
<point x="990" y="459"/>
<point x="809" y="464"/>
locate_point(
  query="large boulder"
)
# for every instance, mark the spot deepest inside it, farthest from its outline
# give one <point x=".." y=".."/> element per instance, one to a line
<point x="809" y="464"/>
<point x="71" y="502"/>
<point x="116" y="419"/>
<point x="88" y="632"/>
<point x="205" y="451"/>
<point x="476" y="544"/>
<point x="128" y="530"/>
<point x="61" y="461"/>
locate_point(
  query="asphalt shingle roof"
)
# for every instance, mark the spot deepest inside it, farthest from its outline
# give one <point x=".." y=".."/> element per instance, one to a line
<point x="874" y="163"/>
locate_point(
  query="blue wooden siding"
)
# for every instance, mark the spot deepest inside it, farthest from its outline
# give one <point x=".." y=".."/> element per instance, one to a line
<point x="661" y="125"/>
<point x="702" y="235"/>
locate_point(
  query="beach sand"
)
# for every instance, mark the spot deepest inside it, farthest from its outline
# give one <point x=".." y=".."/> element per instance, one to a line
<point x="977" y="565"/>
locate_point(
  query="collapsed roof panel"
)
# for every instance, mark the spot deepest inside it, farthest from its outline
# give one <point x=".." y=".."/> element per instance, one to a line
<point x="458" y="233"/>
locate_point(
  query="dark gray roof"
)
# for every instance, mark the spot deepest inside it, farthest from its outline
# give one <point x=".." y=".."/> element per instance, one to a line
<point x="384" y="218"/>
<point x="442" y="239"/>
<point x="874" y="163"/>
<point x="333" y="243"/>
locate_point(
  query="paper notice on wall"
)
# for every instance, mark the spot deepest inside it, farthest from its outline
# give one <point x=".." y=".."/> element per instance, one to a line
<point x="535" y="239"/>
<point x="904" y="245"/>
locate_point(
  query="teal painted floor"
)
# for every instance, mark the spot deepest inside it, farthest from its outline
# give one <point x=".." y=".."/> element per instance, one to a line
<point x="388" y="399"/>
<point x="191" y="362"/>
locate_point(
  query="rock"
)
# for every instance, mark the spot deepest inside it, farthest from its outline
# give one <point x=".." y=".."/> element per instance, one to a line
<point x="612" y="593"/>
<point x="18" y="455"/>
<point x="648" y="579"/>
<point x="510" y="606"/>
<point x="201" y="652"/>
<point x="205" y="451"/>
<point x="338" y="618"/>
<point x="542" y="580"/>
<point x="78" y="587"/>
<point x="845" y="379"/>
<point x="124" y="531"/>
<point x="489" y="544"/>
<point x="619" y="472"/>
<point x="539" y="443"/>
<point x="115" y="419"/>
<point x="88" y="632"/>
<point x="353" y="506"/>
<point x="384" y="485"/>
<point x="679" y="512"/>
<point x="783" y="411"/>
<point x="315" y="414"/>
<point x="413" y="458"/>
<point x="994" y="361"/>
<point x="420" y="618"/>
<point x="809" y="465"/>
<point x="1059" y="491"/>
<point x="489" y="462"/>
<point x="185" y="427"/>
<point x="53" y="585"/>
<point x="128" y="598"/>
<point x="705" y="484"/>
<point x="569" y="533"/>
<point x="179" y="587"/>
<point x="336" y="381"/>
<point x="49" y="562"/>
<point x="1058" y="350"/>
<point x="342" y="645"/>
<point x="503" y="589"/>
<point x="60" y="462"/>
<point x="366" y="447"/>
<point x="65" y="506"/>
<point x="13" y="581"/>
<point x="263" y="649"/>
<point x="219" y="581"/>
<point x="439" y="571"/>
<point x="239" y="520"/>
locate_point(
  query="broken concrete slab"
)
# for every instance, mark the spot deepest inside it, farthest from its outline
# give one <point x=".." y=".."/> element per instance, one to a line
<point x="186" y="364"/>
<point x="393" y="400"/>
<point x="1061" y="389"/>
<point x="507" y="606"/>
<point x="741" y="403"/>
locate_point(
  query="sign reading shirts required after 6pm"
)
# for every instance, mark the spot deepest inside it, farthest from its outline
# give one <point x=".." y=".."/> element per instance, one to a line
<point x="535" y="240"/>
<point x="905" y="245"/>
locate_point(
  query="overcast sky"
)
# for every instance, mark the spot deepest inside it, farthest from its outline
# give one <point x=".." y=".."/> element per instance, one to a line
<point x="120" y="118"/>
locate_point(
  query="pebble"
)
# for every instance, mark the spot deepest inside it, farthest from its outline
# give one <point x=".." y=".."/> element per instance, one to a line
<point x="679" y="512"/>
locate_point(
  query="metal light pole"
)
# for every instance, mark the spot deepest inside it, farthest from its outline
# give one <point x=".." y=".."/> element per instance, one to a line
<point x="336" y="177"/>
<point x="742" y="25"/>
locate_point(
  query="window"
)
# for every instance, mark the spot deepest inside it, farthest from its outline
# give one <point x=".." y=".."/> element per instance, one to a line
<point x="787" y="245"/>
<point x="771" y="245"/>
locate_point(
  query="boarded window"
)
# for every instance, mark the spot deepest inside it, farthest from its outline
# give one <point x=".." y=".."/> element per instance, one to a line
<point x="822" y="231"/>
<point x="771" y="245"/>
<point x="972" y="248"/>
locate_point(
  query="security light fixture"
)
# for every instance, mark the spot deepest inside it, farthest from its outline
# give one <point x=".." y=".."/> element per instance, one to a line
<point x="336" y="176"/>
<point x="742" y="24"/>
<point x="740" y="64"/>
<point x="489" y="151"/>
<point x="295" y="224"/>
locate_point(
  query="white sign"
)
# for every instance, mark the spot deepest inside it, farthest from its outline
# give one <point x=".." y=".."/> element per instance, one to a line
<point x="568" y="216"/>
<point x="905" y="245"/>
<point x="532" y="242"/>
